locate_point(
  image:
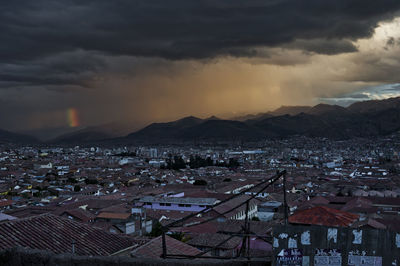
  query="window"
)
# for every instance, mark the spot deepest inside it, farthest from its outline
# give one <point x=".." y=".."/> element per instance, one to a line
<point x="181" y="205"/>
<point x="202" y="206"/>
<point x="162" y="204"/>
<point x="147" y="203"/>
<point x="188" y="205"/>
<point x="167" y="204"/>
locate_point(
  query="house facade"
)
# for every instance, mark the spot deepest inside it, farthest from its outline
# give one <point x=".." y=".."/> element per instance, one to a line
<point x="176" y="203"/>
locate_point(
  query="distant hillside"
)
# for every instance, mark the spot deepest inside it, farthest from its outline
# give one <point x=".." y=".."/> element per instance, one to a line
<point x="248" y="117"/>
<point x="322" y="109"/>
<point x="170" y="130"/>
<point x="375" y="105"/>
<point x="221" y="130"/>
<point x="11" y="137"/>
<point x="363" y="119"/>
<point x="93" y="134"/>
<point x="191" y="128"/>
<point x="283" y="110"/>
<point x="290" y="110"/>
<point x="48" y="133"/>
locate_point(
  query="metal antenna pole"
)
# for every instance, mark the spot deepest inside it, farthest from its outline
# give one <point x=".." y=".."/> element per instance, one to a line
<point x="164" y="245"/>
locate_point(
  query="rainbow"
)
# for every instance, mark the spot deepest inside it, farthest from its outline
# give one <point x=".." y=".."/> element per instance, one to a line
<point x="73" y="117"/>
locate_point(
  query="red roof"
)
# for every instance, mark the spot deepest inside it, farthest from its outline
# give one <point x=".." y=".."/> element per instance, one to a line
<point x="153" y="249"/>
<point x="112" y="215"/>
<point x="322" y="215"/>
<point x="5" y="202"/>
<point x="81" y="215"/>
<point x="54" y="233"/>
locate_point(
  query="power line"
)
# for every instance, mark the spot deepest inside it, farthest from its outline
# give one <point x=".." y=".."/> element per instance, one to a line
<point x="245" y="231"/>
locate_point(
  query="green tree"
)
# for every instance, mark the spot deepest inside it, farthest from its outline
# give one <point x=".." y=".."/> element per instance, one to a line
<point x="157" y="229"/>
<point x="179" y="236"/>
<point x="200" y="182"/>
<point x="91" y="181"/>
<point x="233" y="163"/>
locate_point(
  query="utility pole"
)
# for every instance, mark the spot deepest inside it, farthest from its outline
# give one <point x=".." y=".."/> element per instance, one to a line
<point x="246" y="230"/>
<point x="164" y="244"/>
<point x="284" y="200"/>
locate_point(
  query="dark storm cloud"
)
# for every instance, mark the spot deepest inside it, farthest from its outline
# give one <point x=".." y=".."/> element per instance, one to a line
<point x="180" y="28"/>
<point x="323" y="46"/>
<point x="73" y="68"/>
<point x="32" y="31"/>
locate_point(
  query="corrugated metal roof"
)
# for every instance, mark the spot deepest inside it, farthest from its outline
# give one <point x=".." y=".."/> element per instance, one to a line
<point x="322" y="215"/>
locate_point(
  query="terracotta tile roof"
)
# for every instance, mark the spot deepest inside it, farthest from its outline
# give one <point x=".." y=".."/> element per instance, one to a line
<point x="54" y="233"/>
<point x="112" y="215"/>
<point x="206" y="194"/>
<point x="319" y="200"/>
<point x="258" y="227"/>
<point x="153" y="249"/>
<point x="385" y="201"/>
<point x="322" y="215"/>
<point x="5" y="203"/>
<point x="120" y="208"/>
<point x="211" y="240"/>
<point x="369" y="222"/>
<point x="80" y="214"/>
<point x="95" y="204"/>
<point x="359" y="205"/>
<point x="30" y="211"/>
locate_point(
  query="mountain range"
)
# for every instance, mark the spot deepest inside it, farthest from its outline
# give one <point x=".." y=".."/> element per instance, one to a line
<point x="361" y="119"/>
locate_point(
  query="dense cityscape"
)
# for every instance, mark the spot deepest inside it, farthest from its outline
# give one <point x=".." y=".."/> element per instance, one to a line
<point x="134" y="191"/>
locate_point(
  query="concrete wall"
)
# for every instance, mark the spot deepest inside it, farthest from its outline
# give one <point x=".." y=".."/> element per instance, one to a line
<point x="320" y="245"/>
<point x="25" y="257"/>
<point x="265" y="216"/>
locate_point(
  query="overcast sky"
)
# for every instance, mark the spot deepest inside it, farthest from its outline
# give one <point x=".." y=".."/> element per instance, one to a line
<point x="156" y="60"/>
